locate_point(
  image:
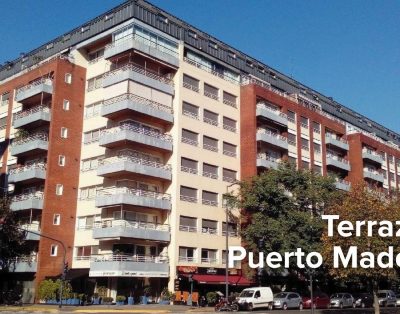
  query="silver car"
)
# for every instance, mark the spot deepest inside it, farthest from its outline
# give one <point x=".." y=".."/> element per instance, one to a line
<point x="342" y="300"/>
<point x="387" y="298"/>
<point x="286" y="300"/>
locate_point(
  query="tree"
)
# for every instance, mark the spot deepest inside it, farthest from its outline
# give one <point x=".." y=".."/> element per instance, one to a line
<point x="283" y="207"/>
<point x="12" y="239"/>
<point x="363" y="204"/>
<point x="50" y="290"/>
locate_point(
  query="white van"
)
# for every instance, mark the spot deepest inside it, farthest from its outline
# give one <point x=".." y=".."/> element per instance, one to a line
<point x="257" y="297"/>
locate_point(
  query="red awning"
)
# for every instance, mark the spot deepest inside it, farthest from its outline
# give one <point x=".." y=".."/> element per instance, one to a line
<point x="234" y="280"/>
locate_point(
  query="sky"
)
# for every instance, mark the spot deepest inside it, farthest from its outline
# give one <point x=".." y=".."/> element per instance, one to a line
<point x="346" y="49"/>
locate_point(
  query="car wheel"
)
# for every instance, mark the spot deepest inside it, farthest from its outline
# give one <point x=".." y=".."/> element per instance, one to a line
<point x="301" y="306"/>
<point x="270" y="307"/>
<point x="363" y="305"/>
<point x="354" y="305"/>
<point x="284" y="306"/>
<point x="235" y="307"/>
<point x="341" y="305"/>
<point x="250" y="307"/>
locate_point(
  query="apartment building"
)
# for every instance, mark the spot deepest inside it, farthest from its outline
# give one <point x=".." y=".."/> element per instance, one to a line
<point x="120" y="138"/>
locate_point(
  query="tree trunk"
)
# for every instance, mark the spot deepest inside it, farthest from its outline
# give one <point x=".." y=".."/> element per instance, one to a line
<point x="375" y="289"/>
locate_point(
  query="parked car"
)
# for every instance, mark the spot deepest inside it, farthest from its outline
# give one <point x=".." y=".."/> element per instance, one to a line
<point x="387" y="298"/>
<point x="320" y="300"/>
<point x="363" y="300"/>
<point x="342" y="300"/>
<point x="286" y="300"/>
<point x="257" y="297"/>
<point x="398" y="299"/>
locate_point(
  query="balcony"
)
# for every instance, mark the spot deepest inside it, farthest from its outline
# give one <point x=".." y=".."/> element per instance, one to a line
<point x="343" y="185"/>
<point x="272" y="138"/>
<point x="27" y="201"/>
<point x="27" y="174"/>
<point x="129" y="266"/>
<point x="120" y="165"/>
<point x="116" y="229"/>
<point x="271" y="114"/>
<point x="113" y="196"/>
<point x="139" y="43"/>
<point x="33" y="117"/>
<point x="130" y="133"/>
<point x="34" y="143"/>
<point x="130" y="103"/>
<point x="267" y="162"/>
<point x="372" y="156"/>
<point x="24" y="264"/>
<point x="337" y="162"/>
<point x="337" y="142"/>
<point x="141" y="75"/>
<point x="36" y="88"/>
<point x="373" y="175"/>
<point x="35" y="227"/>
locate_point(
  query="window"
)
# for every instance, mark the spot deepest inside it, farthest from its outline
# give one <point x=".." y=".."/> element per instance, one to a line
<point x="53" y="250"/>
<point x="87" y="222"/>
<point x="4" y="99"/>
<point x="305" y="165"/>
<point x="189" y="165"/>
<point x="56" y="219"/>
<point x="292" y="139"/>
<point x="91" y="136"/>
<point x="190" y="137"/>
<point x="187" y="254"/>
<point x="305" y="144"/>
<point x="188" y="194"/>
<point x="317" y="169"/>
<point x="229" y="149"/>
<point x="229" y="175"/>
<point x="64" y="133"/>
<point x="209" y="226"/>
<point x="210" y="143"/>
<point x="188" y="224"/>
<point x="59" y="189"/>
<point x="211" y="91"/>
<point x="229" y="124"/>
<point x="210" y="198"/>
<point x="61" y="160"/>
<point x="3" y="123"/>
<point x="66" y="105"/>
<point x="292" y="160"/>
<point x="191" y="83"/>
<point x="304" y="122"/>
<point x="190" y="110"/>
<point x="210" y="171"/>
<point x="229" y="99"/>
<point x="208" y="256"/>
<point x="317" y="148"/>
<point x="291" y="116"/>
<point x="94" y="83"/>
<point x="392" y="177"/>
<point x="391" y="159"/>
<point x="93" y="110"/>
<point x="88" y="192"/>
<point x="210" y="117"/>
<point x="316" y="127"/>
<point x="68" y="78"/>
<point x="90" y="164"/>
<point x="95" y="56"/>
<point x="232" y="229"/>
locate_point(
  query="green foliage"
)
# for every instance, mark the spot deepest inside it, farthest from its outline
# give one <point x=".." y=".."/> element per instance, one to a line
<point x="167" y="295"/>
<point x="107" y="300"/>
<point x="285" y="206"/>
<point x="211" y="297"/>
<point x="12" y="239"/>
<point x="102" y="291"/>
<point x="147" y="291"/>
<point x="49" y="290"/>
<point x="120" y="298"/>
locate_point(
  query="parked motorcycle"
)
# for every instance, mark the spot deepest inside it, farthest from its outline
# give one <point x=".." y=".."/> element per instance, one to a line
<point x="225" y="306"/>
<point x="11" y="297"/>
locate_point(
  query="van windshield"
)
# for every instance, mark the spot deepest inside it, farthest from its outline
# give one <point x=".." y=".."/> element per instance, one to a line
<point x="246" y="294"/>
<point x="382" y="295"/>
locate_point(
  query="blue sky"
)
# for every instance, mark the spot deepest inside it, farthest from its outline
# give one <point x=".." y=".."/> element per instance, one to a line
<point x="349" y="50"/>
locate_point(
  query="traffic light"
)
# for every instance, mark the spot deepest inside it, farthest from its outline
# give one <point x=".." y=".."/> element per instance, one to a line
<point x="65" y="267"/>
<point x="177" y="285"/>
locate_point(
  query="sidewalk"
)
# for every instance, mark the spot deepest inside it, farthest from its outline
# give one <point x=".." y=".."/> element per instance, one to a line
<point x="151" y="308"/>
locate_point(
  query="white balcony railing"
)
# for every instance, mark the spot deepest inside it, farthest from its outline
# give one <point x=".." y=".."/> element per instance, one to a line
<point x="131" y="191"/>
<point x="337" y="158"/>
<point x="141" y="70"/>
<point x="191" y="87"/>
<point x="209" y="260"/>
<point x="27" y="196"/>
<point x="272" y="134"/>
<point x="337" y="138"/>
<point x="128" y="258"/>
<point x="189" y="199"/>
<point x="109" y="223"/>
<point x="135" y="160"/>
<point x="47" y="81"/>
<point x="261" y="105"/>
<point x="31" y="111"/>
<point x="139" y="130"/>
<point x="187" y="228"/>
<point x="40" y="166"/>
<point x="138" y="99"/>
<point x="187" y="259"/>
<point x="31" y="137"/>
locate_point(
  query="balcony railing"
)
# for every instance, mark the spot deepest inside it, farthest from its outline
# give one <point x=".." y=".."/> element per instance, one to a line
<point x="191" y="87"/>
<point x="28" y="112"/>
<point x="27" y="196"/>
<point x="131" y="191"/>
<point x="190" y="199"/>
<point x="210" y="147"/>
<point x="209" y="260"/>
<point x="109" y="223"/>
<point x="229" y="103"/>
<point x="272" y="134"/>
<point x="189" y="170"/>
<point x="328" y="135"/>
<point x="210" y="121"/>
<point x="209" y="202"/>
<point x="139" y="161"/>
<point x="31" y="227"/>
<point x="209" y="70"/>
<point x="211" y="95"/>
<point x="190" y="141"/>
<point x="277" y="112"/>
<point x="190" y="114"/>
<point x="234" y="233"/>
<point x="40" y="166"/>
<point x="187" y="228"/>
<point x="22" y="89"/>
<point x="140" y="100"/>
<point x="141" y="70"/>
<point x="210" y="175"/>
<point x="25" y="259"/>
<point x="139" y="130"/>
<point x="128" y="258"/>
<point x="335" y="157"/>
<point x="229" y="128"/>
<point x="187" y="259"/>
<point x="30" y="138"/>
<point x="209" y="230"/>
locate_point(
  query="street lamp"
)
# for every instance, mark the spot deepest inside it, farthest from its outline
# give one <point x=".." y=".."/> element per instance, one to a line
<point x="227" y="209"/>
